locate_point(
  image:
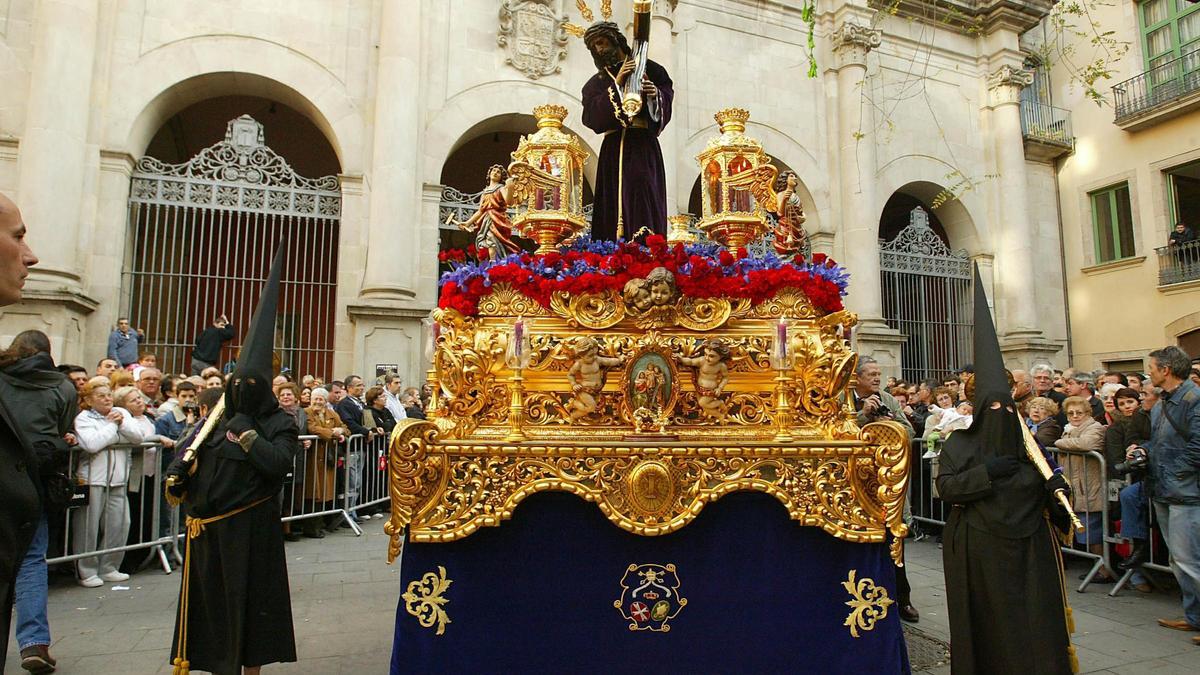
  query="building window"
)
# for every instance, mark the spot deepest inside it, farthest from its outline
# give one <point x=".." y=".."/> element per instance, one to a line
<point x="1183" y="194"/>
<point x="1112" y="223"/>
<point x="1170" y="30"/>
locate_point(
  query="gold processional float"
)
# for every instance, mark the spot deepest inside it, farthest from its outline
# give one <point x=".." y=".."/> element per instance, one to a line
<point x="646" y="402"/>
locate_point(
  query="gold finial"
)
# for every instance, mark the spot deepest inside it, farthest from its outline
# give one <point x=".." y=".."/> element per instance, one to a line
<point x="586" y="11"/>
<point x="732" y="119"/>
<point x="605" y="9"/>
<point x="550" y="115"/>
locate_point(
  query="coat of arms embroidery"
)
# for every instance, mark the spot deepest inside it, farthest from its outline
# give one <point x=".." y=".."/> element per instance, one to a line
<point x="650" y="597"/>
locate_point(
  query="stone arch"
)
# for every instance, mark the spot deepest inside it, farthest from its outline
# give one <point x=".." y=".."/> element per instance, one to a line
<point x="172" y="77"/>
<point x="789" y="153"/>
<point x="924" y="177"/>
<point x="472" y="112"/>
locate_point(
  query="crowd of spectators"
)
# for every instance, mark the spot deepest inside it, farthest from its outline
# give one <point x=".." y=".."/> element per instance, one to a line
<point x="103" y="438"/>
<point x="1072" y="414"/>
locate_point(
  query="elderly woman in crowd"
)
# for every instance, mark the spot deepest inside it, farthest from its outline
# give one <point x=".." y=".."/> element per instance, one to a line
<point x="105" y="470"/>
<point x="1082" y="435"/>
<point x="142" y="465"/>
<point x="1042" y="421"/>
<point x="320" y="460"/>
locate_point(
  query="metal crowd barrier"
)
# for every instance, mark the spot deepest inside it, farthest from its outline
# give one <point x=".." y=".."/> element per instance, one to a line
<point x="317" y="487"/>
<point x="152" y="521"/>
<point x="373" y="483"/>
<point x="329" y="481"/>
<point x="1087" y="471"/>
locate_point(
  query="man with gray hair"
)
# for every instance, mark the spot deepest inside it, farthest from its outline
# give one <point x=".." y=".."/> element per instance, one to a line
<point x="21" y="508"/>
<point x="1081" y="383"/>
<point x="1174" y="455"/>
<point x="875" y="405"/>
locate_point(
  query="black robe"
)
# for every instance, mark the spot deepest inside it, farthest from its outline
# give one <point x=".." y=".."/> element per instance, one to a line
<point x="1005" y="590"/>
<point x="641" y="176"/>
<point x="239" y="606"/>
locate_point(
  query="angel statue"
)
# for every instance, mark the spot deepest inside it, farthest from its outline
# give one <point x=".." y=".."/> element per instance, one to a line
<point x="490" y="223"/>
<point x="790" y="237"/>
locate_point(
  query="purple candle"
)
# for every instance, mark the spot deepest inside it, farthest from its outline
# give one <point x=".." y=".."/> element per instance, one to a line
<point x="518" y="337"/>
<point x="781" y="337"/>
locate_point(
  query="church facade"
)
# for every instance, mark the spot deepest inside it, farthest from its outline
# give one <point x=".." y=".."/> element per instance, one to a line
<point x="150" y="142"/>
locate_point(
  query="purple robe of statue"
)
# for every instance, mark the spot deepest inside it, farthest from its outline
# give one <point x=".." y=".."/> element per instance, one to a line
<point x="640" y="178"/>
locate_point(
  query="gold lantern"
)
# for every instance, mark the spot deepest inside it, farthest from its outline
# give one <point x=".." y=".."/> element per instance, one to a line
<point x="547" y="181"/>
<point x="736" y="183"/>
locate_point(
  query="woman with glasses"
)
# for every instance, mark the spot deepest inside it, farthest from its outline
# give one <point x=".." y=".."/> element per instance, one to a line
<point x="1082" y="435"/>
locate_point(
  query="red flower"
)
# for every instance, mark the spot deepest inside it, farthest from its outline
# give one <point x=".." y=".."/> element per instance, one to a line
<point x="726" y="257"/>
<point x="819" y="258"/>
<point x="742" y="253"/>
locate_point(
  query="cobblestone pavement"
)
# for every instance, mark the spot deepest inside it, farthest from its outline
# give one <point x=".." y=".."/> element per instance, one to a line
<point x="344" y="602"/>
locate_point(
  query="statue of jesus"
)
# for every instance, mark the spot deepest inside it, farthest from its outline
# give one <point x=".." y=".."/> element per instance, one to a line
<point x="631" y="183"/>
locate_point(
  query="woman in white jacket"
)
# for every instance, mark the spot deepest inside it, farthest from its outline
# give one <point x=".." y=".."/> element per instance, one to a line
<point x="105" y="470"/>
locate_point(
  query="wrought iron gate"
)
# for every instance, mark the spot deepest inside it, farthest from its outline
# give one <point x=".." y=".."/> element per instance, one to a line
<point x="927" y="297"/>
<point x="202" y="234"/>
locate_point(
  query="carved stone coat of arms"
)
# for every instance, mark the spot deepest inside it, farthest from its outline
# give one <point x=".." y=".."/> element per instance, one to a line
<point x="533" y="36"/>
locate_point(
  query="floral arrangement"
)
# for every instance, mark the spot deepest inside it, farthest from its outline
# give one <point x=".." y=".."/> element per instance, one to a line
<point x="586" y="266"/>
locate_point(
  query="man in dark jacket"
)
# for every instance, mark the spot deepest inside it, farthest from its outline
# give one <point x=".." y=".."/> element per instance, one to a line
<point x="350" y="409"/>
<point x="20" y="506"/>
<point x="1174" y="453"/>
<point x="234" y="603"/>
<point x="46" y="403"/>
<point x="208" y="344"/>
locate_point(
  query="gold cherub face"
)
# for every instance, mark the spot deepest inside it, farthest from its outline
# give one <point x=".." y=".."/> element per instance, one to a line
<point x="660" y="293"/>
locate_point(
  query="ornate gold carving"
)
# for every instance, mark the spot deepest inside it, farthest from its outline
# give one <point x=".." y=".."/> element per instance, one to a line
<point x="504" y="301"/>
<point x="703" y="314"/>
<point x="425" y="599"/>
<point x="868" y="603"/>
<point x="589" y="310"/>
<point x="457" y="473"/>
<point x="651" y="488"/>
<point x="852" y="489"/>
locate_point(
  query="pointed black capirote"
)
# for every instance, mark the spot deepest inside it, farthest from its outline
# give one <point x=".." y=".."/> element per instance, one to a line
<point x="991" y="382"/>
<point x="249" y="389"/>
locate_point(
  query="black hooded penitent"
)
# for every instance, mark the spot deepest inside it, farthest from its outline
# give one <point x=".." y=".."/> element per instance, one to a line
<point x="249" y="389"/>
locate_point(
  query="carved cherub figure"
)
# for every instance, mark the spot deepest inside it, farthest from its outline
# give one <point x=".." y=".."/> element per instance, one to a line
<point x="587" y="376"/>
<point x="636" y="294"/>
<point x="712" y="375"/>
<point x="662" y="287"/>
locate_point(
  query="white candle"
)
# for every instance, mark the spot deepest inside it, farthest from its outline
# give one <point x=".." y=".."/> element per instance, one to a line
<point x="518" y="337"/>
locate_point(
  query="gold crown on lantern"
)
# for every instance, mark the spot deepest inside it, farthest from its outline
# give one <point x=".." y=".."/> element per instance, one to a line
<point x="586" y="13"/>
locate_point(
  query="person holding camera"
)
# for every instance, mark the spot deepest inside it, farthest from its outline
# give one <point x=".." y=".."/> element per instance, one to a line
<point x="1174" y="475"/>
<point x="875" y="405"/>
<point x="1131" y="429"/>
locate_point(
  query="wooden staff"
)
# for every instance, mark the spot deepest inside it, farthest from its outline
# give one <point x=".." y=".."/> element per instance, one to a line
<point x="1035" y="455"/>
<point x="189" y="455"/>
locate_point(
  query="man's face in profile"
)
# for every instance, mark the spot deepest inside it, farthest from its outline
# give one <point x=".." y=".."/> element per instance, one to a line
<point x="15" y="255"/>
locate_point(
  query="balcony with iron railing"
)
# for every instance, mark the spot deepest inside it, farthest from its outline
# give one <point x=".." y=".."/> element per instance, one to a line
<point x="1046" y="131"/>
<point x="1178" y="263"/>
<point x="1168" y="90"/>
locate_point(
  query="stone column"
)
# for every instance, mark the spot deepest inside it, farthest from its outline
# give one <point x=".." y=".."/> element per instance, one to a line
<point x="53" y="150"/>
<point x="662" y="51"/>
<point x="1015" y="271"/>
<point x="1014" y="237"/>
<point x="860" y="217"/>
<point x="394" y="186"/>
<point x="856" y="160"/>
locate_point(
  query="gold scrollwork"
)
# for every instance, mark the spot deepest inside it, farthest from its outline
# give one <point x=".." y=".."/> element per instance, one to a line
<point x="589" y="310"/>
<point x="703" y="314"/>
<point x="503" y="300"/>
<point x="868" y="603"/>
<point x="425" y="599"/>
